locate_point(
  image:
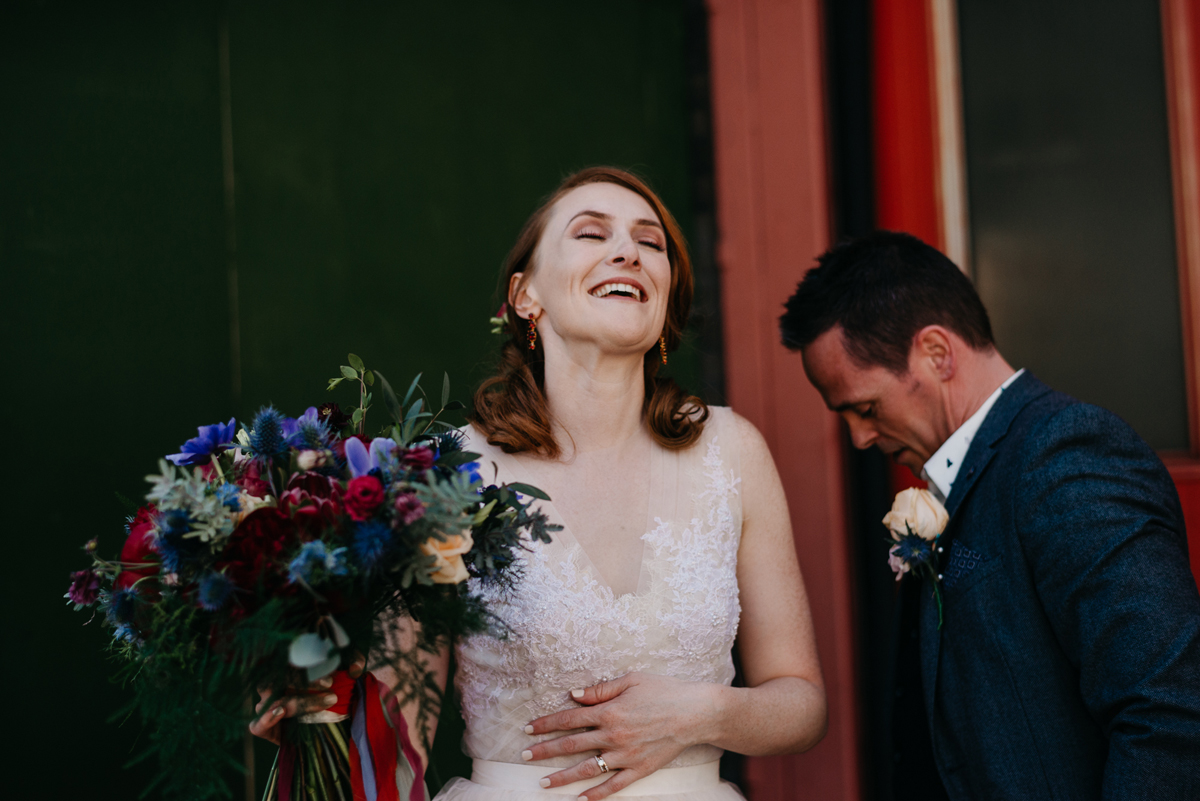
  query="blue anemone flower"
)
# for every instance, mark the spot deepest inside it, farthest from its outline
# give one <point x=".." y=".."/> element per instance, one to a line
<point x="227" y="494"/>
<point x="313" y="555"/>
<point x="472" y="471"/>
<point x="215" y="589"/>
<point x="371" y="540"/>
<point x="200" y="449"/>
<point x="268" y="438"/>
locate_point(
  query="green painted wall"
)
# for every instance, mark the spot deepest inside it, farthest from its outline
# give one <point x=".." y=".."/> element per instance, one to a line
<point x="385" y="156"/>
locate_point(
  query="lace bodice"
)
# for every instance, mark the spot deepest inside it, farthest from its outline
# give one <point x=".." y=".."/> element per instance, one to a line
<point x="570" y="630"/>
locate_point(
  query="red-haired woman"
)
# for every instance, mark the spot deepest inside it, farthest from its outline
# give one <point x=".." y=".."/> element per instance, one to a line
<point x="676" y="538"/>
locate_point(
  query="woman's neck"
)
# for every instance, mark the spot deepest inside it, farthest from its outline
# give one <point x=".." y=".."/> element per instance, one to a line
<point x="595" y="399"/>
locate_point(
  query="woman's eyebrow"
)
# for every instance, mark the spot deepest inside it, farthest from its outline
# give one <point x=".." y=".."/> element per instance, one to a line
<point x="602" y="216"/>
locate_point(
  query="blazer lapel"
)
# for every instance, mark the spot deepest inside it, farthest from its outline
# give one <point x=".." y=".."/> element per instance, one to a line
<point x="983" y="448"/>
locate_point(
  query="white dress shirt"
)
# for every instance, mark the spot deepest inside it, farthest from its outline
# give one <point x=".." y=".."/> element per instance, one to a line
<point x="942" y="468"/>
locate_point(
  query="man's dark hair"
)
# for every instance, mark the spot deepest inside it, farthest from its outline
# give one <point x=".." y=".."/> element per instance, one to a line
<point x="882" y="289"/>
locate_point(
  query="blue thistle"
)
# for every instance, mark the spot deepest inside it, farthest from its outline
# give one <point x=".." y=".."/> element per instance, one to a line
<point x="914" y="550"/>
<point x="472" y="471"/>
<point x="176" y="549"/>
<point x="267" y="439"/>
<point x="227" y="495"/>
<point x="121" y="606"/>
<point x="313" y="555"/>
<point x="371" y="540"/>
<point x="308" y="431"/>
<point x="215" y="589"/>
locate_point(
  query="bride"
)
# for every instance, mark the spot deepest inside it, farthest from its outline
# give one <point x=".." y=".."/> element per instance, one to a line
<point x="675" y="541"/>
<point x="616" y="676"/>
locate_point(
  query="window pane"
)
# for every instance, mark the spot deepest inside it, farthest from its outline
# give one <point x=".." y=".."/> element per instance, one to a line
<point x="1068" y="166"/>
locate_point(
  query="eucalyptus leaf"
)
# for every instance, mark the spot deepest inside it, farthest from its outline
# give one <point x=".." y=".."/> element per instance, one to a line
<point x="453" y="406"/>
<point x="455" y="458"/>
<point x="528" y="489"/>
<point x="348" y="372"/>
<point x="411" y="389"/>
<point x="389" y="399"/>
<point x="415" y="409"/>
<point x="333" y="382"/>
<point x="445" y="389"/>
<point x="357" y="416"/>
<point x="355" y="362"/>
<point x="369" y="377"/>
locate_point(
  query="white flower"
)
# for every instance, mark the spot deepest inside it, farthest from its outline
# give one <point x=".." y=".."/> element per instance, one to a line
<point x="916" y="510"/>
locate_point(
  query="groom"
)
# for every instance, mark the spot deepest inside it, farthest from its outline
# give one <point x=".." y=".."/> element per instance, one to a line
<point x="1067" y="663"/>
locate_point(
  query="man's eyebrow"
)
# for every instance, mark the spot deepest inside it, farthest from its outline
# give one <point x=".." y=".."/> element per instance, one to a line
<point x="847" y="406"/>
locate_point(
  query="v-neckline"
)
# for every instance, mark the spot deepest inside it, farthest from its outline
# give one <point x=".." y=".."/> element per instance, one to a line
<point x="522" y="474"/>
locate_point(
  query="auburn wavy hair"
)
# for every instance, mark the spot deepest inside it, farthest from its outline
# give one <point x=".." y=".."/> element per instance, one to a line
<point x="510" y="407"/>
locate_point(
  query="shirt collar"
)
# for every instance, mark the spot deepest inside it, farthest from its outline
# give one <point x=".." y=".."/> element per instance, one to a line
<point x="942" y="468"/>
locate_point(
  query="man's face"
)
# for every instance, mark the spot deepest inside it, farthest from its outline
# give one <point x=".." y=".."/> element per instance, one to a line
<point x="902" y="415"/>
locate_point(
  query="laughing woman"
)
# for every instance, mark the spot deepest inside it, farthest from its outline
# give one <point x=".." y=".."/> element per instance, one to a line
<point x="675" y="541"/>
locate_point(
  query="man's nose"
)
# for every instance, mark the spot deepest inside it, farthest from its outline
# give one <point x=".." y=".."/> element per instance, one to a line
<point x="862" y="435"/>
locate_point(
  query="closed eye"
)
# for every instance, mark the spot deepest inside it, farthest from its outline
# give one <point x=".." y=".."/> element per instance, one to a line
<point x="650" y="243"/>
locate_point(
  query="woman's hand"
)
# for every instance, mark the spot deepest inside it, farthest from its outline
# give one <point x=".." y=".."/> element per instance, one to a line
<point x="292" y="704"/>
<point x="639" y="723"/>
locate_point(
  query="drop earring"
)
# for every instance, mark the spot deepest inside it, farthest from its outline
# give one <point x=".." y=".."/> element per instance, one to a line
<point x="532" y="333"/>
<point x="662" y="347"/>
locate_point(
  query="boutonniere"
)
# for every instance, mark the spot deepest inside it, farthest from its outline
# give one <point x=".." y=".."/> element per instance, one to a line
<point x="916" y="522"/>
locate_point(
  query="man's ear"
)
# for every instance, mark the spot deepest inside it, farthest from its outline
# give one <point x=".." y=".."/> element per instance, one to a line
<point x="523" y="297"/>
<point x="934" y="347"/>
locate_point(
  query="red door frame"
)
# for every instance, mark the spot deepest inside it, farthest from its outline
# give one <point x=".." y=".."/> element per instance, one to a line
<point x="773" y="217"/>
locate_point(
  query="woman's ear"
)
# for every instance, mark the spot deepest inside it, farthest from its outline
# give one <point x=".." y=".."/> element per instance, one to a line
<point x="522" y="297"/>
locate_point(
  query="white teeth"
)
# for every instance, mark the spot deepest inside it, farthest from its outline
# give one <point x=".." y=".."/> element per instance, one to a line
<point x="606" y="289"/>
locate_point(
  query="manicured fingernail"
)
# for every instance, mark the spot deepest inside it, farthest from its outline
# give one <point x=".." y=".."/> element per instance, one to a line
<point x="577" y="694"/>
<point x="329" y="700"/>
<point x="529" y="730"/>
<point x="544" y="782"/>
<point x="326" y="682"/>
<point x="277" y="711"/>
<point x="527" y="755"/>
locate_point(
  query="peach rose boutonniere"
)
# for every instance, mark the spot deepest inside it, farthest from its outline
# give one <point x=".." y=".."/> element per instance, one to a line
<point x="448" y="566"/>
<point x="916" y="522"/>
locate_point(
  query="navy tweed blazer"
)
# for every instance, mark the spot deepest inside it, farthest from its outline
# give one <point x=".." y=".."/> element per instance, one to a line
<point x="1068" y="662"/>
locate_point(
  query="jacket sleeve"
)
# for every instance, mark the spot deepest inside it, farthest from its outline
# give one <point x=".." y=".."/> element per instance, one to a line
<point x="1103" y="535"/>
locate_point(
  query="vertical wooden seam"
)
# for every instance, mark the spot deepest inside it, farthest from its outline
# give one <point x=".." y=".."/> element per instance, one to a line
<point x="1178" y="27"/>
<point x="950" y="160"/>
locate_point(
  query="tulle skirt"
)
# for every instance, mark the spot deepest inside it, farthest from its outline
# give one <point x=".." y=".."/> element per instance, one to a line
<point x="505" y="781"/>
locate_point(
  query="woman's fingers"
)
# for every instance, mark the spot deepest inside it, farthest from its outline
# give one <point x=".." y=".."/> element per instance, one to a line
<point x="590" y="769"/>
<point x="604" y="691"/>
<point x="566" y="746"/>
<point x="566" y="720"/>
<point x="587" y="769"/>
<point x="356" y="667"/>
<point x="266" y="725"/>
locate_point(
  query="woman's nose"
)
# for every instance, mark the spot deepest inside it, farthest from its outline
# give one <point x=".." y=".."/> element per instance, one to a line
<point x="625" y="252"/>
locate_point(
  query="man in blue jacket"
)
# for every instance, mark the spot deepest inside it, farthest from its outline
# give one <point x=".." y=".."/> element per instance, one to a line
<point x="1065" y="663"/>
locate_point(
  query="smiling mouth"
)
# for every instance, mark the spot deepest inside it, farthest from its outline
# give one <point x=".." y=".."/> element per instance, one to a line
<point x="618" y="289"/>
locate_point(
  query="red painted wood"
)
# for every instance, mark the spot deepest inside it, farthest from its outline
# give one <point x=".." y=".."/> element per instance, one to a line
<point x="904" y="121"/>
<point x="773" y="219"/>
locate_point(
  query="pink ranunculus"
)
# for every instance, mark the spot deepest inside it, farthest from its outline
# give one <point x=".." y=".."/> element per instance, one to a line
<point x="84" y="589"/>
<point x="363" y="496"/>
<point x="409" y="508"/>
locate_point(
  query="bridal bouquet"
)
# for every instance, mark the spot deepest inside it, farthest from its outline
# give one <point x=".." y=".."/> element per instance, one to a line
<point x="274" y="554"/>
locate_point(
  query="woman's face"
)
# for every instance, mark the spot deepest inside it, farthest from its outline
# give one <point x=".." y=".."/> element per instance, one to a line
<point x="601" y="274"/>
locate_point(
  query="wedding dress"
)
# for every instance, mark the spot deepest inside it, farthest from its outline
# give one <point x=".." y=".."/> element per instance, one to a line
<point x="569" y="629"/>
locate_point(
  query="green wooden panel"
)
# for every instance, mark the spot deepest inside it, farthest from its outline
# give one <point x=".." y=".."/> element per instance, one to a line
<point x="385" y="158"/>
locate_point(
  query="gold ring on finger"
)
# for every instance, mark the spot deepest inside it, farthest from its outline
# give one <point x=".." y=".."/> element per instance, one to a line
<point x="600" y="763"/>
